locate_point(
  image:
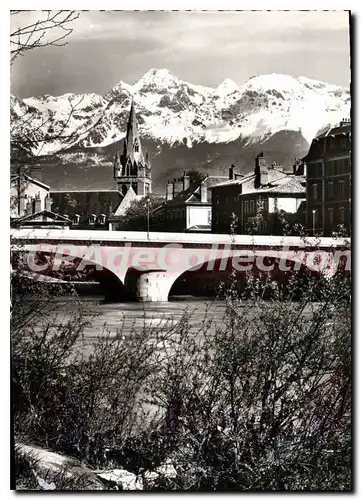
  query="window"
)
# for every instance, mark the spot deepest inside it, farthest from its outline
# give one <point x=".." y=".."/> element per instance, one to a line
<point x="92" y="219"/>
<point x="342" y="215"/>
<point x="330" y="189"/>
<point x="341" y="187"/>
<point x="330" y="216"/>
<point x="128" y="168"/>
<point x="246" y="206"/>
<point x="346" y="165"/>
<point x="314" y="191"/>
<point x="209" y="217"/>
<point x="332" y="142"/>
<point x="318" y="169"/>
<point x="315" y="169"/>
<point x="136" y="146"/>
<point x="217" y="200"/>
<point x="251" y="206"/>
<point x="330" y="168"/>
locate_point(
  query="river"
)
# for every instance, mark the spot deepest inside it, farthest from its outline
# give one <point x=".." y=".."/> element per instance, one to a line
<point x="103" y="318"/>
<point x="130" y="316"/>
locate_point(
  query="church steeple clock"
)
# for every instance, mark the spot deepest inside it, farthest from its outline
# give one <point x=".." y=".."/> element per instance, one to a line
<point x="132" y="168"/>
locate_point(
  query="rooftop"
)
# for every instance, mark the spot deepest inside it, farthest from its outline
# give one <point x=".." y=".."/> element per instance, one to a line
<point x="192" y="194"/>
<point x="342" y="128"/>
<point x="15" y="177"/>
<point x="279" y="182"/>
<point x="234" y="182"/>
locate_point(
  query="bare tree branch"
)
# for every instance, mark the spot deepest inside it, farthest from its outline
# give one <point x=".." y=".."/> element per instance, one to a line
<point x="52" y="30"/>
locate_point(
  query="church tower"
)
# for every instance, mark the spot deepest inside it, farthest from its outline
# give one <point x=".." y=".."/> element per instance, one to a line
<point x="132" y="168"/>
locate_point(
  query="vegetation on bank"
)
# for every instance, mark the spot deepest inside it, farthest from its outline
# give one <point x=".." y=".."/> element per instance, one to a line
<point x="258" y="401"/>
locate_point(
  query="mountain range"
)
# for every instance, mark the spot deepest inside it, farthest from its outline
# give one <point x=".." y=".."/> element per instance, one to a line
<point x="183" y="126"/>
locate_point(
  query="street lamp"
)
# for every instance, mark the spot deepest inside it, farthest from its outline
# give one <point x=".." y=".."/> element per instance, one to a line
<point x="313" y="222"/>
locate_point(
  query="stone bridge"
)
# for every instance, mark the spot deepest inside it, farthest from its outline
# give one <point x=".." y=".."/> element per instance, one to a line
<point x="145" y="266"/>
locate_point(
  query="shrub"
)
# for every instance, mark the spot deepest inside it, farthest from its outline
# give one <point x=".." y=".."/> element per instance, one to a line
<point x="258" y="401"/>
<point x="265" y="402"/>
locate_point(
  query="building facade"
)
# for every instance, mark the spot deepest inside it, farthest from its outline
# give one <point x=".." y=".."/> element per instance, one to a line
<point x="28" y="195"/>
<point x="31" y="204"/>
<point x="329" y="181"/>
<point x="268" y="201"/>
<point x="188" y="206"/>
<point x="89" y="209"/>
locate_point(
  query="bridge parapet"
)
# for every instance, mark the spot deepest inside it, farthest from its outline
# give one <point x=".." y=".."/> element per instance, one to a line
<point x="148" y="267"/>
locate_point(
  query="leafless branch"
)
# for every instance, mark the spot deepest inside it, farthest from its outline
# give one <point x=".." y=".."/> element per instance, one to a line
<point x="52" y="30"/>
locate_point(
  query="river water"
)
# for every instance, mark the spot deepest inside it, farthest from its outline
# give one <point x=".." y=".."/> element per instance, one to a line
<point x="129" y="316"/>
<point x="105" y="319"/>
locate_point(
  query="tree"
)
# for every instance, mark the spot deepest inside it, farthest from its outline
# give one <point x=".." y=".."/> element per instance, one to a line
<point x="49" y="28"/>
<point x="195" y="175"/>
<point x="31" y="30"/>
<point x="135" y="218"/>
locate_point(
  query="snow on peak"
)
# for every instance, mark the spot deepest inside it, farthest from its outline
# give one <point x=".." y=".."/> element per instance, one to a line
<point x="122" y="86"/>
<point x="274" y="81"/>
<point x="227" y="86"/>
<point x="157" y="77"/>
<point x="174" y="110"/>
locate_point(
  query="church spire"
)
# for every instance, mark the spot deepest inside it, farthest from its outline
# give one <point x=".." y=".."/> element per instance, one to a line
<point x="135" y="168"/>
<point x="132" y="128"/>
<point x="132" y="146"/>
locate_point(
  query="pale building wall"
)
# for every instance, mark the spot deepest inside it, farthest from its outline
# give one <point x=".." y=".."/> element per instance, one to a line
<point x="30" y="190"/>
<point x="198" y="215"/>
<point x="289" y="205"/>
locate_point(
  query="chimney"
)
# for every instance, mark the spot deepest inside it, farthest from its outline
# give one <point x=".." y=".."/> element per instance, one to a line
<point x="345" y="121"/>
<point x="177" y="186"/>
<point x="37" y="204"/>
<point x="186" y="181"/>
<point x="204" y="197"/>
<point x="169" y="191"/>
<point x="28" y="208"/>
<point x="48" y="203"/>
<point x="231" y="172"/>
<point x="260" y="171"/>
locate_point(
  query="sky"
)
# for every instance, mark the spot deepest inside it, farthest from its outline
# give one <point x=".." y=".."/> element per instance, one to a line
<point x="199" y="47"/>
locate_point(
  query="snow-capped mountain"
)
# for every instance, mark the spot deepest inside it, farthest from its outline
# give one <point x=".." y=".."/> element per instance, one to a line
<point x="174" y="112"/>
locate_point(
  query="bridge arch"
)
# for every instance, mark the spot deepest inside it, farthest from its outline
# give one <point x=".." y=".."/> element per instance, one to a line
<point x="206" y="279"/>
<point x="48" y="262"/>
<point x="119" y="253"/>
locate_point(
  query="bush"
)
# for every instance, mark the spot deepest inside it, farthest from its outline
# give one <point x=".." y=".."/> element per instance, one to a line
<point x="258" y="401"/>
<point x="265" y="402"/>
<point x="80" y="400"/>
